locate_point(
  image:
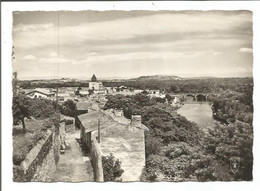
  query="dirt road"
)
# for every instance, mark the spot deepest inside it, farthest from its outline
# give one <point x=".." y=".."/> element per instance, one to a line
<point x="72" y="166"/>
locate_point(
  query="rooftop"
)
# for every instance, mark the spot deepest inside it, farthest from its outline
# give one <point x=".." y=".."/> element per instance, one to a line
<point x="83" y="105"/>
<point x="63" y="117"/>
<point x="41" y="90"/>
<point x="106" y="119"/>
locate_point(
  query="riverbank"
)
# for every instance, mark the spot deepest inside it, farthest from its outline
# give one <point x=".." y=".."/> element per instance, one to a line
<point x="197" y="102"/>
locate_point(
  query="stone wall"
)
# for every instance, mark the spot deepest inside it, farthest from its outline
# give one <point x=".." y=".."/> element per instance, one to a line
<point x="96" y="161"/>
<point x="128" y="146"/>
<point x="41" y="161"/>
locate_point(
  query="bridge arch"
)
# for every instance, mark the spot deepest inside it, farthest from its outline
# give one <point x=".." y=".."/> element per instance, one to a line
<point x="190" y="97"/>
<point x="201" y="97"/>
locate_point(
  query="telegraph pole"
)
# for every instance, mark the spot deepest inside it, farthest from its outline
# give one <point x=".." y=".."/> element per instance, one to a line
<point x="99" y="130"/>
<point x="57" y="99"/>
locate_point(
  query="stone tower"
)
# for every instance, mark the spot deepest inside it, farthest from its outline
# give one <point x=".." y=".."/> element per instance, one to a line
<point x="93" y="78"/>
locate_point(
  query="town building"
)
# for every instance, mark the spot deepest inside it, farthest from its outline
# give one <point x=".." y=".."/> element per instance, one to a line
<point x="82" y="107"/>
<point x="176" y="100"/>
<point x="122" y="137"/>
<point x="96" y="86"/>
<point x="156" y="92"/>
<point x="41" y="93"/>
<point x="137" y="91"/>
<point x="62" y="97"/>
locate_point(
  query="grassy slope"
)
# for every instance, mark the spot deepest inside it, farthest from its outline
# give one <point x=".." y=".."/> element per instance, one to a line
<point x="23" y="143"/>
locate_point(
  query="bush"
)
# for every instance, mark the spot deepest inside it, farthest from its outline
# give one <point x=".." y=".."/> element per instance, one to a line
<point x="41" y="108"/>
<point x="69" y="108"/>
<point x="152" y="145"/>
<point x="111" y="168"/>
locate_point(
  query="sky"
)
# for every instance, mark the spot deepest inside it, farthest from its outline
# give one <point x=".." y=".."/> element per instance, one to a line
<point x="126" y="44"/>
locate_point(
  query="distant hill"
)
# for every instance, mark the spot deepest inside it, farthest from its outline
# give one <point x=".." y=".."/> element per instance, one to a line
<point x="157" y="77"/>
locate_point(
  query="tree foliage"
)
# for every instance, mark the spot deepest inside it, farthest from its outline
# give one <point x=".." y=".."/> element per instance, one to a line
<point x="178" y="150"/>
<point x="111" y="168"/>
<point x="20" y="110"/>
<point x="41" y="108"/>
<point x="232" y="107"/>
<point x="69" y="108"/>
<point x="24" y="107"/>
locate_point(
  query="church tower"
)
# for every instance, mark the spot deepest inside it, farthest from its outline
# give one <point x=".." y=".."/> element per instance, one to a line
<point x="96" y="86"/>
<point x="94" y="78"/>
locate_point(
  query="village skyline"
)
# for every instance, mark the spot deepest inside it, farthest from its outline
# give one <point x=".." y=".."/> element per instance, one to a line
<point x="249" y="75"/>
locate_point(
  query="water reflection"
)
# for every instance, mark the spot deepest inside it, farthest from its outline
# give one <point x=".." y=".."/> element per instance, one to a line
<point x="200" y="113"/>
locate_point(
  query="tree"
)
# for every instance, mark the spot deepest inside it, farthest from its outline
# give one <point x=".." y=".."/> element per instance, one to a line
<point x="69" y="108"/>
<point x="152" y="145"/>
<point x="41" y="108"/>
<point x="111" y="168"/>
<point x="90" y="92"/>
<point x="145" y="92"/>
<point x="158" y="99"/>
<point x="168" y="97"/>
<point x="20" y="110"/>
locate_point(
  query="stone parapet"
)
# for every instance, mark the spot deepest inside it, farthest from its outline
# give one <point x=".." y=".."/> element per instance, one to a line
<point x="96" y="161"/>
<point x="40" y="163"/>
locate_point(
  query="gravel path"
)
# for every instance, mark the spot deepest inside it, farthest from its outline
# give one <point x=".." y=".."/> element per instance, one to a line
<point x="72" y="166"/>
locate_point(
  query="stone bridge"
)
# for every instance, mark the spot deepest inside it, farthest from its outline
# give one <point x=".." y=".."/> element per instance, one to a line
<point x="196" y="97"/>
<point x="193" y="96"/>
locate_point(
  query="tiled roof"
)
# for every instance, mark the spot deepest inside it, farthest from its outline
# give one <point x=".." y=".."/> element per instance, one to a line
<point x="106" y="119"/>
<point x="83" y="105"/>
<point x="90" y="120"/>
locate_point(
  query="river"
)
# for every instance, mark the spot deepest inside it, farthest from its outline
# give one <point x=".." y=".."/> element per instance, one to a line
<point x="200" y="113"/>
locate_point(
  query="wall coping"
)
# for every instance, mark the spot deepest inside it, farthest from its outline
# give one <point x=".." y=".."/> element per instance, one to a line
<point x="32" y="155"/>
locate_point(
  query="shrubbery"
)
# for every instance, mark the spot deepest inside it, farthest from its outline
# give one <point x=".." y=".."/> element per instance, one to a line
<point x="111" y="168"/>
<point x="41" y="108"/>
<point x="69" y="108"/>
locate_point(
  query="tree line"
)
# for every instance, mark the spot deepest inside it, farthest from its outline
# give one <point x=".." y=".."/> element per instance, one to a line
<point x="24" y="107"/>
<point x="178" y="150"/>
<point x="211" y="85"/>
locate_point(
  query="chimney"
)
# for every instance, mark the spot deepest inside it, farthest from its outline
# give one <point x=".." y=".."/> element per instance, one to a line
<point x="136" y="121"/>
<point x="119" y="112"/>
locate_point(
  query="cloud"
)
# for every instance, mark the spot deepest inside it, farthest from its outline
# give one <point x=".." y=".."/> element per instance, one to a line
<point x="137" y="56"/>
<point x="56" y="60"/>
<point x="34" y="27"/>
<point x="217" y="53"/>
<point x="178" y="24"/>
<point x="246" y="50"/>
<point x="166" y="43"/>
<point x="53" y="54"/>
<point x="29" y="57"/>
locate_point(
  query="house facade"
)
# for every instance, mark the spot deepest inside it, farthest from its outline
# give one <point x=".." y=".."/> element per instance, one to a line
<point x="37" y="93"/>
